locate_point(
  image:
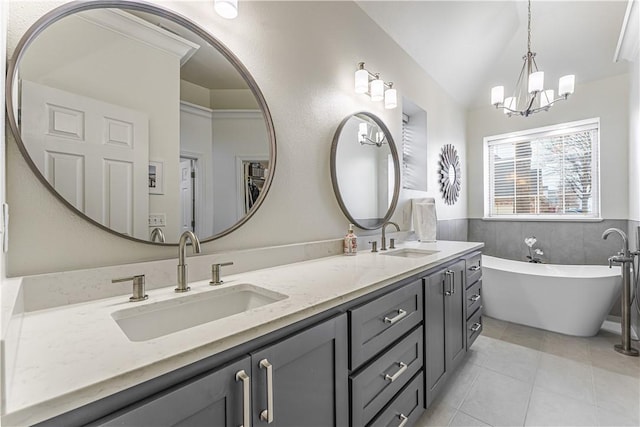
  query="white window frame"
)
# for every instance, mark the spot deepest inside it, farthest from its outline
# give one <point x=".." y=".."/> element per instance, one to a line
<point x="509" y="138"/>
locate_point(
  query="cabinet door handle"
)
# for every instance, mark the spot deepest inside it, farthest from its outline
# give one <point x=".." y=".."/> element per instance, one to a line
<point x="476" y="327"/>
<point x="474" y="268"/>
<point x="246" y="397"/>
<point x="392" y="378"/>
<point x="474" y="298"/>
<point x="267" y="414"/>
<point x="450" y="276"/>
<point x="403" y="420"/>
<point x="392" y="320"/>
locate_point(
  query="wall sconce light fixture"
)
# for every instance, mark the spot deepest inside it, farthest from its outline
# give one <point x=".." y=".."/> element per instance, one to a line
<point x="226" y="8"/>
<point x="378" y="138"/>
<point x="371" y="84"/>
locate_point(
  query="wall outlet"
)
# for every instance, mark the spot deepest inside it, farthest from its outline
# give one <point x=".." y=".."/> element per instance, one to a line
<point x="157" y="220"/>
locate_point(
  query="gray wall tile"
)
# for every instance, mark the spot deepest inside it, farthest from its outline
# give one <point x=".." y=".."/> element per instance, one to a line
<point x="562" y="242"/>
<point x="508" y="240"/>
<point x="483" y="231"/>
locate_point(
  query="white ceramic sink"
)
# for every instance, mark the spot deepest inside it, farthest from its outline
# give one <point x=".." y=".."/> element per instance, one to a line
<point x="165" y="317"/>
<point x="410" y="253"/>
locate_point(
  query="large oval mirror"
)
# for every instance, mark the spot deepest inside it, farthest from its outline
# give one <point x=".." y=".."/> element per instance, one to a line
<point x="141" y="121"/>
<point x="365" y="170"/>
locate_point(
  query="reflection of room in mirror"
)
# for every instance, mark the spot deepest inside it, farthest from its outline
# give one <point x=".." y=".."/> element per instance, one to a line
<point x="254" y="175"/>
<point x="414" y="146"/>
<point x="219" y="119"/>
<point x="365" y="176"/>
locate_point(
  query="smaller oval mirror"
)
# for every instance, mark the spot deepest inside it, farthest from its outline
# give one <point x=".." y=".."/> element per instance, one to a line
<point x="365" y="170"/>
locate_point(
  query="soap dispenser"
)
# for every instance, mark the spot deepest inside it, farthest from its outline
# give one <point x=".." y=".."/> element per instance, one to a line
<point x="350" y="242"/>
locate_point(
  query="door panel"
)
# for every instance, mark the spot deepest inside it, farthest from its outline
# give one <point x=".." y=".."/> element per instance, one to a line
<point x="80" y="145"/>
<point x="213" y="400"/>
<point x="309" y="378"/>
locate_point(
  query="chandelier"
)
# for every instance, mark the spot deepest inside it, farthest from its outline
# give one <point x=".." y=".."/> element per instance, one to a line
<point x="530" y="87"/>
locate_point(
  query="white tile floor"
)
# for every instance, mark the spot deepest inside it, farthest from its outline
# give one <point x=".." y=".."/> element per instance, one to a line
<point x="520" y="376"/>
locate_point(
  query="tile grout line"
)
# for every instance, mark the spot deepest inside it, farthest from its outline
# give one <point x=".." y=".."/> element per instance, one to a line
<point x="535" y="377"/>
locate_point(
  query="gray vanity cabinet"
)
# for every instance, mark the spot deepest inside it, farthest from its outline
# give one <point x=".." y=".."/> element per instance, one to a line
<point x="445" y="332"/>
<point x="308" y="383"/>
<point x="307" y="386"/>
<point x="215" y="399"/>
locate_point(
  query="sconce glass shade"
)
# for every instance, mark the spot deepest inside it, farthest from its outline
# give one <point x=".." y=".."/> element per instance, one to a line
<point x="362" y="81"/>
<point x="390" y="98"/>
<point x="510" y="103"/>
<point x="377" y="90"/>
<point x="226" y="8"/>
<point x="536" y="81"/>
<point x="546" y="97"/>
<point x="362" y="132"/>
<point x="566" y="85"/>
<point x="497" y="95"/>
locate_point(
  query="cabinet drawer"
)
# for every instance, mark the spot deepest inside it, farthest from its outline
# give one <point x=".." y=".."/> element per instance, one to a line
<point x="473" y="297"/>
<point x="474" y="327"/>
<point x="474" y="267"/>
<point x="376" y="385"/>
<point x="406" y="408"/>
<point x="382" y="321"/>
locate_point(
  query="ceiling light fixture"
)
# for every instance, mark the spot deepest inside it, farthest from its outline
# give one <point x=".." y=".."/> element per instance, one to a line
<point x="226" y="8"/>
<point x="371" y="84"/>
<point x="531" y="86"/>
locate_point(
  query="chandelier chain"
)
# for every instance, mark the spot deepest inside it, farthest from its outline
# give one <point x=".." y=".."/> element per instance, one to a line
<point x="529" y="28"/>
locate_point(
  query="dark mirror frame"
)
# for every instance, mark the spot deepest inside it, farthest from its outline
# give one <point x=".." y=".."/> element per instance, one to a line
<point x="396" y="166"/>
<point x="75" y="7"/>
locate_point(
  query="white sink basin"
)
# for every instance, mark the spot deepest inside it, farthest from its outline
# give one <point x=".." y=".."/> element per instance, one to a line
<point x="410" y="253"/>
<point x="165" y="317"/>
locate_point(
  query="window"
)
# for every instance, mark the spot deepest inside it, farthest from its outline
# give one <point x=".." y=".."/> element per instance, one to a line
<point x="544" y="173"/>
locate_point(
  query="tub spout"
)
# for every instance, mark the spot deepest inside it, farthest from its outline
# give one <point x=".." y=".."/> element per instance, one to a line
<point x="625" y="241"/>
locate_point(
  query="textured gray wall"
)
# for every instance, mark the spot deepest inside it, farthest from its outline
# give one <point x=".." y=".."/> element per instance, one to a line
<point x="562" y="242"/>
<point x="452" y="229"/>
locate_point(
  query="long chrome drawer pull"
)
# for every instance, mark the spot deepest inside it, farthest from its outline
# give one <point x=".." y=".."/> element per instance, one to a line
<point x="474" y="268"/>
<point x="452" y="289"/>
<point x="267" y="414"/>
<point x="474" y="298"/>
<point x="403" y="419"/>
<point x="392" y="320"/>
<point x="476" y="327"/>
<point x="392" y="378"/>
<point x="246" y="397"/>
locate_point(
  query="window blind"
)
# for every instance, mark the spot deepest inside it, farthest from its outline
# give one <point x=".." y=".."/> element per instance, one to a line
<point x="550" y="172"/>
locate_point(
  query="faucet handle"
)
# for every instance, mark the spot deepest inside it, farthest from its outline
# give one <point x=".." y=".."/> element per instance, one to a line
<point x="374" y="246"/>
<point x="392" y="243"/>
<point x="215" y="273"/>
<point x="138" y="287"/>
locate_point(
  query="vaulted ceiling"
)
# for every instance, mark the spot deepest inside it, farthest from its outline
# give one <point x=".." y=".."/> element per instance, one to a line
<point x="470" y="46"/>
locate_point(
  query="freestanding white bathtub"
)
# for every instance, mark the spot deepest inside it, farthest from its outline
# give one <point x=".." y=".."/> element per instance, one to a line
<point x="570" y="299"/>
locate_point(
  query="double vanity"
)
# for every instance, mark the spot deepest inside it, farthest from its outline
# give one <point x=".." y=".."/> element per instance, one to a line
<point x="289" y="335"/>
<point x="333" y="340"/>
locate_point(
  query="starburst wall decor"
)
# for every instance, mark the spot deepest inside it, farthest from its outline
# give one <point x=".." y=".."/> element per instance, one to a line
<point x="449" y="174"/>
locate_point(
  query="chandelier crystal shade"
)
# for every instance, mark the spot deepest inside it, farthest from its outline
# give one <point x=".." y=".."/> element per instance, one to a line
<point x="529" y="95"/>
<point x="371" y="84"/>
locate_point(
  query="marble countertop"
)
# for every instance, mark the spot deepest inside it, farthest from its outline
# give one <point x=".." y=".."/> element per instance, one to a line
<point x="69" y="356"/>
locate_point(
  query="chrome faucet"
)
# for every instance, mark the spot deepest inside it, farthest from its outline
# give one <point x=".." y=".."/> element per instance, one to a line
<point x="624" y="254"/>
<point x="383" y="240"/>
<point x="158" y="234"/>
<point x="182" y="254"/>
<point x="626" y="260"/>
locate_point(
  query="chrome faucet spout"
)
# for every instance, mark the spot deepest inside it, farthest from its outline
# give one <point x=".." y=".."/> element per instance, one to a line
<point x="383" y="239"/>
<point x="625" y="241"/>
<point x="182" y="254"/>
